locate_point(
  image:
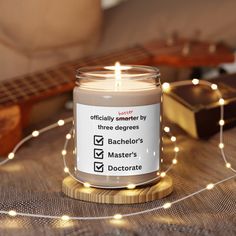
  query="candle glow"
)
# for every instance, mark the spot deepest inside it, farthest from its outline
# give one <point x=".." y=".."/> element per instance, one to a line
<point x="120" y="93"/>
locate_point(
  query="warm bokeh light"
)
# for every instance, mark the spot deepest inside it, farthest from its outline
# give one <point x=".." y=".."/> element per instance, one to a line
<point x="117" y="216"/>
<point x="35" y="133"/>
<point x="65" y="217"/>
<point x="11" y="155"/>
<point x="167" y="205"/>
<point x="210" y="186"/>
<point x="195" y="81"/>
<point x="61" y="122"/>
<point x="165" y="87"/>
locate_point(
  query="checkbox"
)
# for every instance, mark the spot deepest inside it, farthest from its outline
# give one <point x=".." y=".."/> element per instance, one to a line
<point x="98" y="167"/>
<point x="98" y="140"/>
<point x="98" y="153"/>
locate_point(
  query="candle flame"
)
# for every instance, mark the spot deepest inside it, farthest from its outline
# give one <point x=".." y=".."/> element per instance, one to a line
<point x="117" y="71"/>
<point x="117" y="68"/>
<point x="122" y="67"/>
<point x="117" y="75"/>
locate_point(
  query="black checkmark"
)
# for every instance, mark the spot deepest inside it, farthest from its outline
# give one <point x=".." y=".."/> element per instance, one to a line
<point x="98" y="166"/>
<point x="98" y="140"/>
<point x="98" y="153"/>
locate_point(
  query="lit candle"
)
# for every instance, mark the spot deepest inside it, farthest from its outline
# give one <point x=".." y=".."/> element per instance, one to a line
<point x="117" y="112"/>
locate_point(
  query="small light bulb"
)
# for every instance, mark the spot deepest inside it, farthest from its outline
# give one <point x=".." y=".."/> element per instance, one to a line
<point x="163" y="174"/>
<point x="158" y="173"/>
<point x="65" y="217"/>
<point x="165" y="87"/>
<point x="210" y="186"/>
<point x="35" y="133"/>
<point x="221" y="145"/>
<point x="221" y="122"/>
<point x="167" y="205"/>
<point x="167" y="129"/>
<point x="221" y="101"/>
<point x="61" y="122"/>
<point x="195" y="81"/>
<point x="63" y="152"/>
<point x="173" y="138"/>
<point x="117" y="216"/>
<point x="228" y="165"/>
<point x="12" y="213"/>
<point x="66" y="170"/>
<point x="68" y="136"/>
<point x="131" y="186"/>
<point x="174" y="161"/>
<point x="87" y="185"/>
<point x="214" y="87"/>
<point x="176" y="149"/>
<point x="11" y="155"/>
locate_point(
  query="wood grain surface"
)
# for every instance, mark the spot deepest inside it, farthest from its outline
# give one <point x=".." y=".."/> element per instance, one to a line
<point x="76" y="190"/>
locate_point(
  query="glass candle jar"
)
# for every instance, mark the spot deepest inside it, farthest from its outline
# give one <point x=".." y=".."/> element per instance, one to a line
<point x="117" y="114"/>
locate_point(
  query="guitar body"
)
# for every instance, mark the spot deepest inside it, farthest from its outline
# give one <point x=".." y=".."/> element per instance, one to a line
<point x="10" y="128"/>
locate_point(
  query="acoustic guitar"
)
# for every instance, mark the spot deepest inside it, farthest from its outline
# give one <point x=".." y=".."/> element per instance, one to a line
<point x="18" y="95"/>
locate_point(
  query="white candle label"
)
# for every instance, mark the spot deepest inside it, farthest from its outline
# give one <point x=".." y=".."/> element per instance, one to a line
<point x="118" y="141"/>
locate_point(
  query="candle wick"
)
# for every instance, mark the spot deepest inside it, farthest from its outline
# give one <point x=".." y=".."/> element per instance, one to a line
<point x="117" y="75"/>
<point x="117" y="84"/>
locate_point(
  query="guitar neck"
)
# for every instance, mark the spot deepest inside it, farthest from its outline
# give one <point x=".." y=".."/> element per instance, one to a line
<point x="41" y="85"/>
<point x="180" y="53"/>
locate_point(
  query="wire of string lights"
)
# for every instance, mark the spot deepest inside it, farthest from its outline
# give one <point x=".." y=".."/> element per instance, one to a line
<point x="166" y="87"/>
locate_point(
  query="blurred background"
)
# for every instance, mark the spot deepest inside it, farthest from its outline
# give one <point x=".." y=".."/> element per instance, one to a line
<point x="35" y="35"/>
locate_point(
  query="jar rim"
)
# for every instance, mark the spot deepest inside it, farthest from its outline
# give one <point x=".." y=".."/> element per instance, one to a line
<point x="127" y="72"/>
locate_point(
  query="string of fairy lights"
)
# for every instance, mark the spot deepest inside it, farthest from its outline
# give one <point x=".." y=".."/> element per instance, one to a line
<point x="166" y="88"/>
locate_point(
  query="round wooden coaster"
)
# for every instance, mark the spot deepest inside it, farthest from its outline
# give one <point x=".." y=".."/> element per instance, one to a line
<point x="76" y="190"/>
